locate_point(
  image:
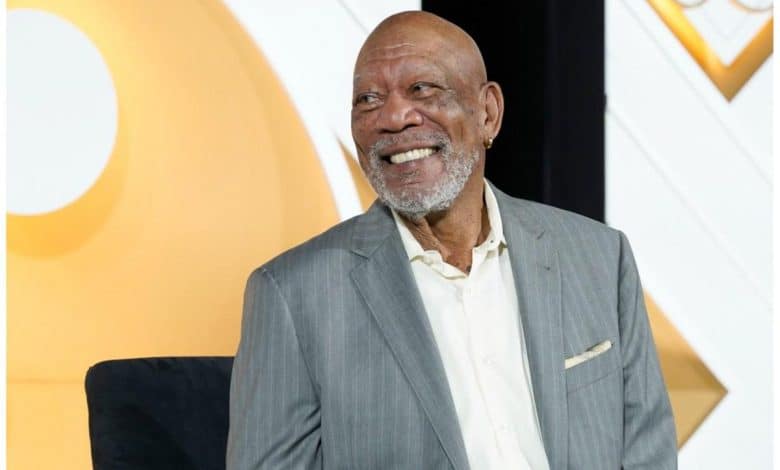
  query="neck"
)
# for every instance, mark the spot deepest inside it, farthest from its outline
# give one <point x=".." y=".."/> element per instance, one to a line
<point x="455" y="231"/>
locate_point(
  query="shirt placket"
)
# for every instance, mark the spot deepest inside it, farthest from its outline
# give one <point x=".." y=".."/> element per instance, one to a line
<point x="487" y="326"/>
<point x="486" y="451"/>
<point x="483" y="358"/>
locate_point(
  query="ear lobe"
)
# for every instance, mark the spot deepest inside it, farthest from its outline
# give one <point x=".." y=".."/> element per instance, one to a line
<point x="494" y="109"/>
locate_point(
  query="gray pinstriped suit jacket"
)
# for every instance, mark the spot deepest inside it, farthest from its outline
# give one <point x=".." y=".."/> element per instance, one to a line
<point x="337" y="366"/>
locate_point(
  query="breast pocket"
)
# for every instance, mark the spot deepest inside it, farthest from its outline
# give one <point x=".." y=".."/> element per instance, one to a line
<point x="593" y="370"/>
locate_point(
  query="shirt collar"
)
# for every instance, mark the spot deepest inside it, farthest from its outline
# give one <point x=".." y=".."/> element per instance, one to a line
<point x="494" y="240"/>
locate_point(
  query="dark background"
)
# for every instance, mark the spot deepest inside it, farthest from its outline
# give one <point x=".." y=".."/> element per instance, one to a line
<point x="548" y="57"/>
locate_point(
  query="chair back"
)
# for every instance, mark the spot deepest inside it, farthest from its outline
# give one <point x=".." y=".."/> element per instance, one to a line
<point x="159" y="413"/>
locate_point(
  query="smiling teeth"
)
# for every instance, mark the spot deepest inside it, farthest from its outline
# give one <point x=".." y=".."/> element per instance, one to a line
<point x="410" y="155"/>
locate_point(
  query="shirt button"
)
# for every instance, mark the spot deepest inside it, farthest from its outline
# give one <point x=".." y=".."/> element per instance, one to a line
<point x="488" y="361"/>
<point x="503" y="428"/>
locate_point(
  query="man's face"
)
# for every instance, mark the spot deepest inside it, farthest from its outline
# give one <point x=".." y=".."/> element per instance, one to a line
<point x="415" y="125"/>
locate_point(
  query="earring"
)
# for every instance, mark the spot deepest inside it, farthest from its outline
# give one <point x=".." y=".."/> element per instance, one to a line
<point x="488" y="143"/>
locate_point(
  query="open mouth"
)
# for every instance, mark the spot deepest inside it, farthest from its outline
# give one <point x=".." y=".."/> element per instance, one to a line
<point x="410" y="155"/>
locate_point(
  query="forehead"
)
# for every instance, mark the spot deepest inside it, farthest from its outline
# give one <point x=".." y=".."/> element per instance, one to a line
<point x="401" y="58"/>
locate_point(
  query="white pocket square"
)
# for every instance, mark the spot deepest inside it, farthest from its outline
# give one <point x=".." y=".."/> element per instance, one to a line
<point x="588" y="355"/>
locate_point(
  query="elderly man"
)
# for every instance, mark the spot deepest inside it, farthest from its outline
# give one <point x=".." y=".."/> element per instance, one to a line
<point x="450" y="326"/>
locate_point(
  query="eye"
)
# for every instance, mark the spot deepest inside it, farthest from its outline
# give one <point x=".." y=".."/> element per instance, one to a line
<point x="422" y="89"/>
<point x="366" y="100"/>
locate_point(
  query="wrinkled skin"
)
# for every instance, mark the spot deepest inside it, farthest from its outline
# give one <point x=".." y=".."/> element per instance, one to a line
<point x="420" y="83"/>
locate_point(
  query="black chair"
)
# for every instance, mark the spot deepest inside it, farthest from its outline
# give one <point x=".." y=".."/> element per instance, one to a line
<point x="159" y="413"/>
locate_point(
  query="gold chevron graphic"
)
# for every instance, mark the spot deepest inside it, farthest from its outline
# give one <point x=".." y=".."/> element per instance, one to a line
<point x="728" y="79"/>
<point x="693" y="390"/>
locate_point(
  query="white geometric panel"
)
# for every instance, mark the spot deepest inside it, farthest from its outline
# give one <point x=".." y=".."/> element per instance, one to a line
<point x="698" y="137"/>
<point x="688" y="178"/>
<point x="62" y="112"/>
<point x="701" y="292"/>
<point x="750" y="114"/>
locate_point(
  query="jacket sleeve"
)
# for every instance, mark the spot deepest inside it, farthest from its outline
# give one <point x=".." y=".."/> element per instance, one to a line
<point x="649" y="441"/>
<point x="274" y="406"/>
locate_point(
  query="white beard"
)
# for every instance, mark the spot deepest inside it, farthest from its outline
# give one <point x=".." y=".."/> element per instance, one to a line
<point x="417" y="204"/>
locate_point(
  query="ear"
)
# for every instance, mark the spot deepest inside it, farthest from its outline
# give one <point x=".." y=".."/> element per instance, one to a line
<point x="493" y="100"/>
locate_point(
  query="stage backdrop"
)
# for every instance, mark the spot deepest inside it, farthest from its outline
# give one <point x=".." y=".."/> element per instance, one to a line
<point x="689" y="179"/>
<point x="159" y="151"/>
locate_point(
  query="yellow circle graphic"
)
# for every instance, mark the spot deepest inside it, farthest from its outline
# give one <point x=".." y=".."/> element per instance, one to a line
<point x="212" y="174"/>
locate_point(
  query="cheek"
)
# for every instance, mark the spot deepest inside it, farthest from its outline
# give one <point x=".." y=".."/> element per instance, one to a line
<point x="360" y="128"/>
<point x="468" y="128"/>
<point x="458" y="120"/>
<point x="444" y="104"/>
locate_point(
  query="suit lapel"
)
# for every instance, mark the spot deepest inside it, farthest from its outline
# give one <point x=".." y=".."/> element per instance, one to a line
<point x="538" y="283"/>
<point x="386" y="282"/>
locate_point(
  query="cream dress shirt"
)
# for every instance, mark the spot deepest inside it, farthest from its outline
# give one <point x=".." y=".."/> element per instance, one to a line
<point x="476" y="324"/>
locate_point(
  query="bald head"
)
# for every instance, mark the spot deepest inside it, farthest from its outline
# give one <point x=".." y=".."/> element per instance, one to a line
<point x="433" y="34"/>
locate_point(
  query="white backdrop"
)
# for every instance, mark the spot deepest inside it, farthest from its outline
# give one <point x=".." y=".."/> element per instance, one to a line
<point x="689" y="179"/>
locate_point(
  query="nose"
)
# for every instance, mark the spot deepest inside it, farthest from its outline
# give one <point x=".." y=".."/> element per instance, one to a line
<point x="398" y="113"/>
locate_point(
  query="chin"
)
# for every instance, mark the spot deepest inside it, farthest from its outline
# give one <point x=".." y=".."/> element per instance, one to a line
<point x="415" y="197"/>
<point x="415" y="203"/>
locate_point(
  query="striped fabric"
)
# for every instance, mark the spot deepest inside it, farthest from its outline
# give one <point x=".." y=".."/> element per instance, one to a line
<point x="337" y="366"/>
